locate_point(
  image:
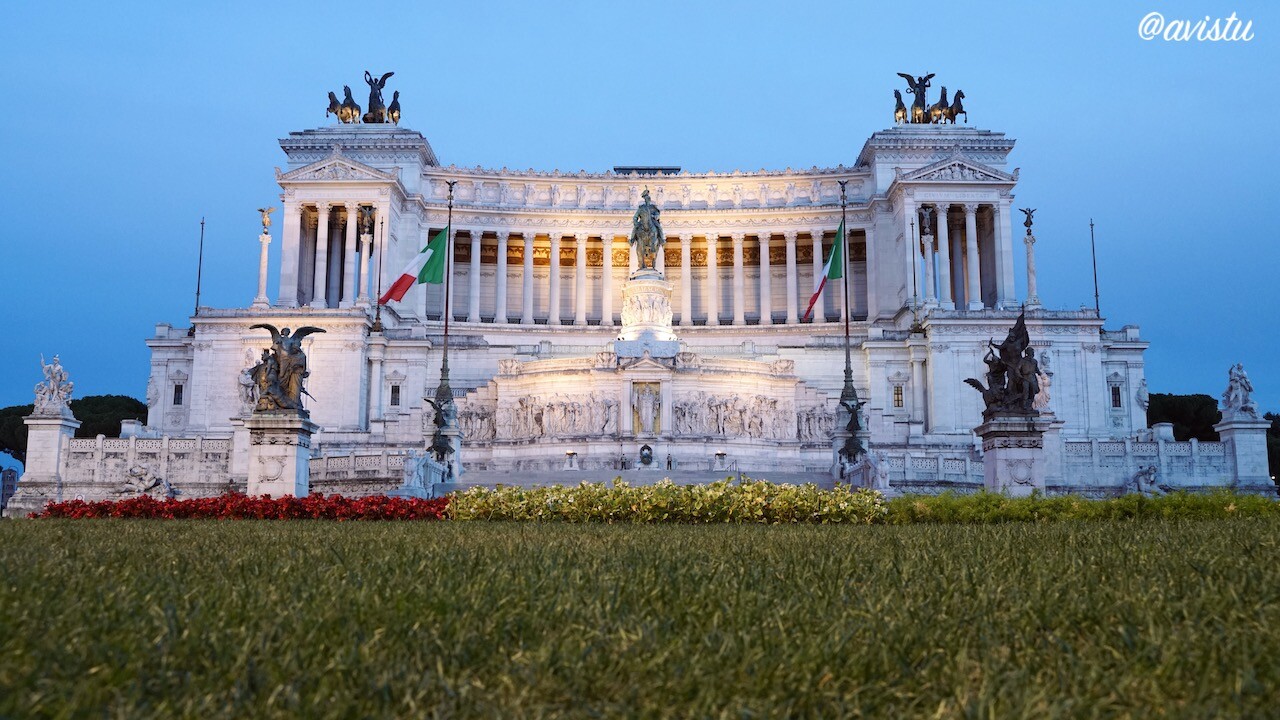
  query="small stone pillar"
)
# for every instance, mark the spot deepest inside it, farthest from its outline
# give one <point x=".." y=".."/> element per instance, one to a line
<point x="48" y="437"/>
<point x="279" y="454"/>
<point x="261" y="300"/>
<point x="1245" y="438"/>
<point x="240" y="445"/>
<point x="1013" y="453"/>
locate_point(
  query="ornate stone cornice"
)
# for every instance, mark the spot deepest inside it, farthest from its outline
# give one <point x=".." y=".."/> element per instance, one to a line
<point x="366" y="143"/>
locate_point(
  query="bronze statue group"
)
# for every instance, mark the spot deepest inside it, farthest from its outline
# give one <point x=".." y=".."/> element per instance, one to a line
<point x="348" y="111"/>
<point x="921" y="111"/>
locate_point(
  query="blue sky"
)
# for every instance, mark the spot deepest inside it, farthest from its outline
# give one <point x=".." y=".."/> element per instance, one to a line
<point x="129" y="122"/>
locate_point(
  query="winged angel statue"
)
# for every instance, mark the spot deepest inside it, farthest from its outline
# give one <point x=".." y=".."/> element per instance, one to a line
<point x="280" y="374"/>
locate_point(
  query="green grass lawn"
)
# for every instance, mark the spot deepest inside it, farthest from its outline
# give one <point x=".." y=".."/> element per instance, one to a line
<point x="320" y="619"/>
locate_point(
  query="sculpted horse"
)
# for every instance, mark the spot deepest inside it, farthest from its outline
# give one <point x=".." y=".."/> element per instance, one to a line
<point x="938" y="110"/>
<point x="350" y="112"/>
<point x="957" y="108"/>
<point x="335" y="107"/>
<point x="899" y="109"/>
<point x="393" y="110"/>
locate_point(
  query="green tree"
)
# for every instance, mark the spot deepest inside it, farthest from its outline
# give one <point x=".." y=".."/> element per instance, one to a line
<point x="13" y="432"/>
<point x="1193" y="416"/>
<point x="98" y="415"/>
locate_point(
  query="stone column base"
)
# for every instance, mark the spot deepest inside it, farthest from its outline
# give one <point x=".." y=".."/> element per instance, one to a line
<point x="280" y="454"/>
<point x="41" y="481"/>
<point x="1013" y="454"/>
<point x="646" y="317"/>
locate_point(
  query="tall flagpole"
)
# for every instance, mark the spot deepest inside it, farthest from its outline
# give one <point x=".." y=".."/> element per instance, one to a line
<point x="191" y="332"/>
<point x="849" y="394"/>
<point x="440" y="444"/>
<point x="1093" y="250"/>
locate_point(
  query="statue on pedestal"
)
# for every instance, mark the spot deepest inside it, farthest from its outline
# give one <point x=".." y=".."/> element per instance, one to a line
<point x="53" y="395"/>
<point x="1012" y="375"/>
<point x="1237" y="400"/>
<point x="646" y="233"/>
<point x="266" y="219"/>
<point x="279" y="376"/>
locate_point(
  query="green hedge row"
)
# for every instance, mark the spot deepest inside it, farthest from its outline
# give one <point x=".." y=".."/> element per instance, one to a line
<point x="757" y="501"/>
<point x="665" y="502"/>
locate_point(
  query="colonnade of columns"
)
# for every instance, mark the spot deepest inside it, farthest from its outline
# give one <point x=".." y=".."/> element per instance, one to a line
<point x="960" y="255"/>
<point x="699" y="297"/>
<point x="332" y="263"/>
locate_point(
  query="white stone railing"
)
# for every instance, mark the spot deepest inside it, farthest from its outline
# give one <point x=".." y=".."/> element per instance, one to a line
<point x="359" y="465"/>
<point x="1113" y="463"/>
<point x="98" y="467"/>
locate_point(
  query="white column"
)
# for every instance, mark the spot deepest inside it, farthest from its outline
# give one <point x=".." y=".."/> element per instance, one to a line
<point x="261" y="300"/>
<point x="926" y="254"/>
<point x="793" y="303"/>
<point x="364" y="253"/>
<point x="912" y="246"/>
<point x="766" y="282"/>
<point x="526" y="316"/>
<point x="349" y="272"/>
<point x="580" y="280"/>
<point x="634" y="261"/>
<point x="1033" y="299"/>
<point x="713" y="282"/>
<point x="739" y="283"/>
<point x="686" y="279"/>
<point x="473" y="287"/>
<point x="917" y="386"/>
<point x="500" y="287"/>
<point x="553" y="312"/>
<point x="320" y="283"/>
<point x="944" y="256"/>
<point x="376" y="251"/>
<point x="820" y="307"/>
<point x="660" y="260"/>
<point x="1006" y="295"/>
<point x="290" y="242"/>
<point x="974" y="290"/>
<point x="606" y="278"/>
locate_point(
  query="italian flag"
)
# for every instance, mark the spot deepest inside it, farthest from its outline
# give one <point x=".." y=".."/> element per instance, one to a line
<point x="833" y="270"/>
<point x="425" y="267"/>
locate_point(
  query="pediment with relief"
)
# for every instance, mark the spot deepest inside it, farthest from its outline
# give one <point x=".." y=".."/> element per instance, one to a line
<point x="335" y="167"/>
<point x="959" y="170"/>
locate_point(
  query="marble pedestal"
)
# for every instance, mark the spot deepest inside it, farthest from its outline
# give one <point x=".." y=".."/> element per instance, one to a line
<point x="41" y="481"/>
<point x="1013" y="454"/>
<point x="1245" y="438"/>
<point x="279" y="454"/>
<point x="646" y="317"/>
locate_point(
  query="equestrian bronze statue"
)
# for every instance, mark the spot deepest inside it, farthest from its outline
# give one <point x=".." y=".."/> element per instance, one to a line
<point x="646" y="234"/>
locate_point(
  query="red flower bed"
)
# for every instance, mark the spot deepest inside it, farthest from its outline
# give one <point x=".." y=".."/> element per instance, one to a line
<point x="244" y="507"/>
